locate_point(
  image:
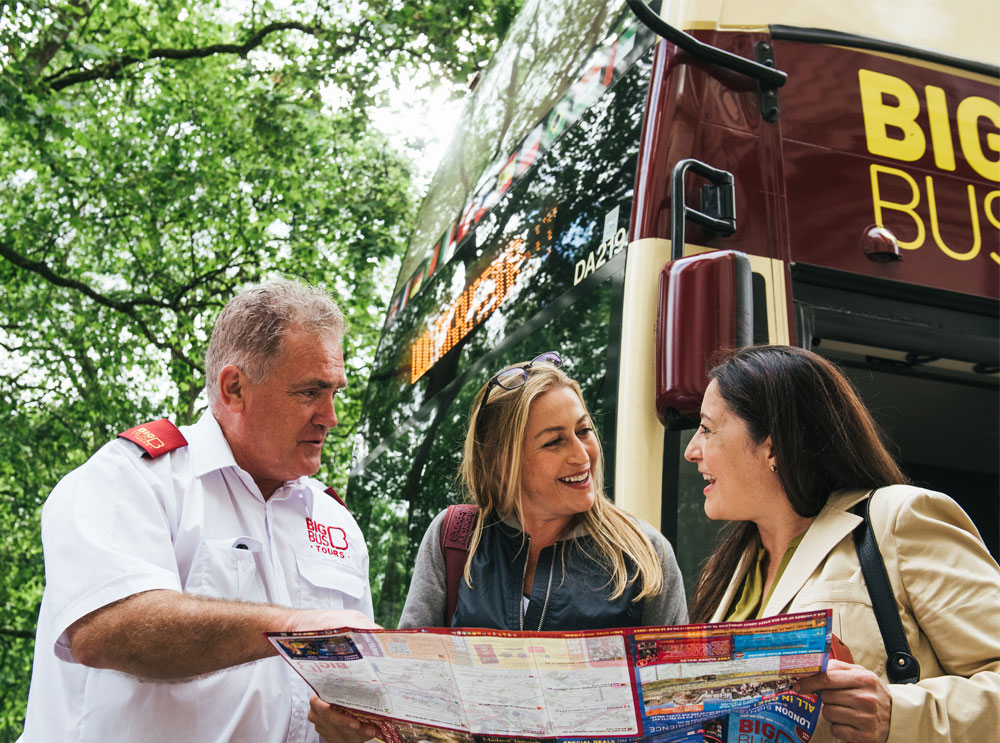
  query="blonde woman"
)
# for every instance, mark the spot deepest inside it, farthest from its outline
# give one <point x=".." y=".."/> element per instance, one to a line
<point x="549" y="550"/>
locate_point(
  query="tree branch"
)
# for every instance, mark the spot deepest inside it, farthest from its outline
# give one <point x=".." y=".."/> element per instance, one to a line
<point x="126" y="308"/>
<point x="113" y="69"/>
<point x="203" y="280"/>
<point x="42" y="269"/>
<point x="42" y="54"/>
<point x="21" y="633"/>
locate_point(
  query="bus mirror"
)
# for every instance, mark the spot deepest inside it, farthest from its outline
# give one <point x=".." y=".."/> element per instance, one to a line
<point x="705" y="304"/>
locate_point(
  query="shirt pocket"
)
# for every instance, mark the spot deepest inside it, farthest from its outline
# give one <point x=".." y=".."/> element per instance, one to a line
<point x="229" y="572"/>
<point x="853" y="619"/>
<point x="324" y="584"/>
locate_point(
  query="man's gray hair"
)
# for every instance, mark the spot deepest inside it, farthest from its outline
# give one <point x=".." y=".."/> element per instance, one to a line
<point x="249" y="331"/>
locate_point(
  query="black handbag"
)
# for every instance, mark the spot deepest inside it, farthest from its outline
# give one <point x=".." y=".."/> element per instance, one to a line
<point x="900" y="666"/>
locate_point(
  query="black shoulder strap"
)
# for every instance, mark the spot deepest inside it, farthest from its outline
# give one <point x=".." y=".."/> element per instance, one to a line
<point x="456" y="533"/>
<point x="900" y="666"/>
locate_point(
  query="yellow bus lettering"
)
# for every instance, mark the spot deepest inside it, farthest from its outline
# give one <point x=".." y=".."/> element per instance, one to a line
<point x="907" y="208"/>
<point x="977" y="237"/>
<point x="970" y="111"/>
<point x="992" y="218"/>
<point x="940" y="125"/>
<point x="890" y="107"/>
<point x="882" y="120"/>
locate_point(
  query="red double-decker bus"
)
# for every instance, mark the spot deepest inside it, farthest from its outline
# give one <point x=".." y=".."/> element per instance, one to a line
<point x="636" y="188"/>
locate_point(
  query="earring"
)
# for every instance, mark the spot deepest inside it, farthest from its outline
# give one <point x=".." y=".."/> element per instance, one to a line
<point x="774" y="468"/>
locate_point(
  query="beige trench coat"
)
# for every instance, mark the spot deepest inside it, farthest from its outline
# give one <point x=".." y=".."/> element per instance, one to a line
<point x="947" y="589"/>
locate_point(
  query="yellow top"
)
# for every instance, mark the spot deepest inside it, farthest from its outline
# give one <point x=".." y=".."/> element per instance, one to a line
<point x="751" y="600"/>
<point x="964" y="28"/>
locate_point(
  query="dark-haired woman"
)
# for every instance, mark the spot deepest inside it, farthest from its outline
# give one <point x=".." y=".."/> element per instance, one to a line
<point x="787" y="449"/>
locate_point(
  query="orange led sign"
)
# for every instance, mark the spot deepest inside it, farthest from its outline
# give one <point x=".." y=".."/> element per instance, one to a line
<point x="478" y="301"/>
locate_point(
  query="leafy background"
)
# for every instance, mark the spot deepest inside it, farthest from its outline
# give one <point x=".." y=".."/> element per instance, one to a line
<point x="157" y="156"/>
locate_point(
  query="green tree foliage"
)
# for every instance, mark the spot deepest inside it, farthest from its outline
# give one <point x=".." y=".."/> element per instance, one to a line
<point x="155" y="157"/>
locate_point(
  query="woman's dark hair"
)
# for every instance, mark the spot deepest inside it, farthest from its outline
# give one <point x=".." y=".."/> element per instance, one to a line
<point x="822" y="437"/>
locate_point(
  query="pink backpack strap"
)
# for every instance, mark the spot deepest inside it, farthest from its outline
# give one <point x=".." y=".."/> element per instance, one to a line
<point x="156" y="438"/>
<point x="456" y="533"/>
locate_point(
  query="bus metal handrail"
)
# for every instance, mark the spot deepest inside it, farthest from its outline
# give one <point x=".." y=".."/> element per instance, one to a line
<point x="720" y="199"/>
<point x="767" y="76"/>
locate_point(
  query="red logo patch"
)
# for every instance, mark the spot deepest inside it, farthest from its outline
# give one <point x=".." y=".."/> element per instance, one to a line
<point x="330" y="540"/>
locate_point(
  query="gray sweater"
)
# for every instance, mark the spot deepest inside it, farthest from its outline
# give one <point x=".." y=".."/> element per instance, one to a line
<point x="425" y="602"/>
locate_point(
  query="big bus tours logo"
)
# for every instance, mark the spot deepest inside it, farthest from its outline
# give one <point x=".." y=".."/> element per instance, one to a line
<point x="895" y="128"/>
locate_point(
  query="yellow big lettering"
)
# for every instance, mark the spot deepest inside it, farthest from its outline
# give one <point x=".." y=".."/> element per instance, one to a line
<point x="937" y="115"/>
<point x="992" y="218"/>
<point x="908" y="208"/>
<point x="879" y="116"/>
<point x="970" y="111"/>
<point x="977" y="237"/>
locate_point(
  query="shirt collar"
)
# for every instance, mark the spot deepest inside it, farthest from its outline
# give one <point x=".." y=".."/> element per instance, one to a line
<point x="208" y="446"/>
<point x="210" y="451"/>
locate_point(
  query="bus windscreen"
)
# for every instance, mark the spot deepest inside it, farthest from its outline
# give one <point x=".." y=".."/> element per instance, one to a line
<point x="533" y="272"/>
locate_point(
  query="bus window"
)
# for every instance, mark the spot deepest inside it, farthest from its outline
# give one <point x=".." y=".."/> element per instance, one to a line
<point x="535" y="266"/>
<point x="693" y="534"/>
<point x="413" y="476"/>
<point x="558" y="60"/>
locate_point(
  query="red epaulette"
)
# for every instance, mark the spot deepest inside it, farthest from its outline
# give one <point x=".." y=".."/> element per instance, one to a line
<point x="333" y="494"/>
<point x="156" y="438"/>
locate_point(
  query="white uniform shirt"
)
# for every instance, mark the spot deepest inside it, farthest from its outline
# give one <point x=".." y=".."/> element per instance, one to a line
<point x="190" y="520"/>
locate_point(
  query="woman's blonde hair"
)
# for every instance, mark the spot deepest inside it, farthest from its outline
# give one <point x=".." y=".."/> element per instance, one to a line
<point x="491" y="476"/>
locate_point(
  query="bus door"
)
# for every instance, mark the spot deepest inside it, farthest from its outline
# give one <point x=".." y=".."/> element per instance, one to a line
<point x="925" y="362"/>
<point x="866" y="198"/>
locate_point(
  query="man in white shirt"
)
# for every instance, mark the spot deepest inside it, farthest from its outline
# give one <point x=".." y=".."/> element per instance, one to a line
<point x="166" y="562"/>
